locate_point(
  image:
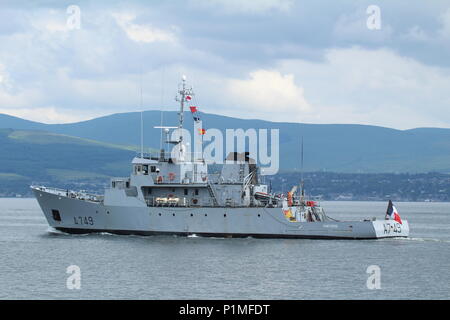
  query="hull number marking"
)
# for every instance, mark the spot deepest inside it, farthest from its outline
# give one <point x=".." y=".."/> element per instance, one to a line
<point x="83" y="220"/>
<point x="392" y="228"/>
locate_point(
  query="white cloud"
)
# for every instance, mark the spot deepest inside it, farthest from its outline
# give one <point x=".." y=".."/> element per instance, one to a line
<point x="247" y="6"/>
<point x="353" y="27"/>
<point x="445" y="21"/>
<point x="295" y="63"/>
<point x="142" y="33"/>
<point x="441" y="37"/>
<point x="47" y="114"/>
<point x="13" y="95"/>
<point x="3" y="76"/>
<point x="268" y="91"/>
<point x="416" y="34"/>
<point x="52" y="21"/>
<point x="378" y="87"/>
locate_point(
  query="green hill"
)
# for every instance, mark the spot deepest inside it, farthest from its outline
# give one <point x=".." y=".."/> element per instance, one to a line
<point x="29" y="157"/>
<point x="328" y="147"/>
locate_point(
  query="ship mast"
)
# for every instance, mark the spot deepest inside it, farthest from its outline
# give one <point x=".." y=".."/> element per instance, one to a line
<point x="184" y="94"/>
<point x="142" y="118"/>
<point x="302" y="182"/>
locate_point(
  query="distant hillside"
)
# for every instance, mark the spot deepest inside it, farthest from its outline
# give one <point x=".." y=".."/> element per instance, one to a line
<point x="367" y="186"/>
<point x="328" y="147"/>
<point x="35" y="156"/>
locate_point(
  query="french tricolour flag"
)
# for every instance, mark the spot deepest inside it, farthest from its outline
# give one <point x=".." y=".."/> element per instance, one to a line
<point x="393" y="213"/>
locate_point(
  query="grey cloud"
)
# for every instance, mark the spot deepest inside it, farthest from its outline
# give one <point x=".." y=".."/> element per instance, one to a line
<point x="214" y="45"/>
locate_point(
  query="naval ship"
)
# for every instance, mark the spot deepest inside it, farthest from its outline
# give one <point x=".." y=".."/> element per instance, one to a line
<point x="167" y="195"/>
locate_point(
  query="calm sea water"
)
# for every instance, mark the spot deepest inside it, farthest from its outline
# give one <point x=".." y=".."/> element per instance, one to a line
<point x="33" y="261"/>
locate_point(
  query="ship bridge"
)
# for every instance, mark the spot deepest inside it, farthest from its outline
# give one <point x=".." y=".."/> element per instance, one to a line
<point x="180" y="178"/>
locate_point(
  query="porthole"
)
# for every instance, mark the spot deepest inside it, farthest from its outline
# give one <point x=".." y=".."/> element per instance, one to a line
<point x="159" y="214"/>
<point x="259" y="215"/>
<point x="225" y="215"/>
<point x="173" y="214"/>
<point x="192" y="215"/>
<point x="206" y="214"/>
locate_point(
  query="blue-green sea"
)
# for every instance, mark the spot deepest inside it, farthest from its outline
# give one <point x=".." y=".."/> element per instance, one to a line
<point x="34" y="261"/>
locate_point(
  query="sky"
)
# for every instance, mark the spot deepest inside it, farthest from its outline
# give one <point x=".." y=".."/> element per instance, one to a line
<point x="278" y="60"/>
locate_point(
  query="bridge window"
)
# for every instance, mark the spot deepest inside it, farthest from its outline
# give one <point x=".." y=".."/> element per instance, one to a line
<point x="137" y="169"/>
<point x="185" y="192"/>
<point x="196" y="192"/>
<point x="152" y="168"/>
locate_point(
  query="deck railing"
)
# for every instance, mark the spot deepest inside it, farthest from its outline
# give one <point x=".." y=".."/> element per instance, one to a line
<point x="80" y="195"/>
<point x="188" y="156"/>
<point x="178" y="202"/>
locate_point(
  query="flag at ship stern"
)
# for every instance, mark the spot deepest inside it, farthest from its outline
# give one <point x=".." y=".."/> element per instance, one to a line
<point x="392" y="213"/>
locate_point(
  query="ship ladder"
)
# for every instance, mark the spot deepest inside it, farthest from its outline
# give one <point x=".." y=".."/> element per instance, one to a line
<point x="212" y="193"/>
<point x="241" y="171"/>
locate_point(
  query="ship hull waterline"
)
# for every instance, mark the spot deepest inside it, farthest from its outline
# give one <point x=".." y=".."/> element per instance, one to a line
<point x="77" y="216"/>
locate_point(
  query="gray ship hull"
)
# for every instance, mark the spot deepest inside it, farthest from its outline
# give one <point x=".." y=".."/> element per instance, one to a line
<point x="83" y="216"/>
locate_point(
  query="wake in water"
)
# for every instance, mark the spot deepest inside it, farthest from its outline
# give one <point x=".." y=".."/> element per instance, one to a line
<point x="426" y="239"/>
<point x="54" y="231"/>
<point x="415" y="239"/>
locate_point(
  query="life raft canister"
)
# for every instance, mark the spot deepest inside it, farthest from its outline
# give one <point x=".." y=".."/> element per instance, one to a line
<point x="171" y="176"/>
<point x="160" y="179"/>
<point x="311" y="204"/>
